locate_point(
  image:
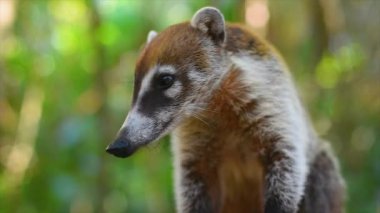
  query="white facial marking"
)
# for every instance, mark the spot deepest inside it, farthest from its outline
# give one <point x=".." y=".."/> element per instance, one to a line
<point x="176" y="88"/>
<point x="148" y="78"/>
<point x="174" y="91"/>
<point x="163" y="115"/>
<point x="197" y="76"/>
<point x="168" y="69"/>
<point x="140" y="127"/>
<point x="145" y="84"/>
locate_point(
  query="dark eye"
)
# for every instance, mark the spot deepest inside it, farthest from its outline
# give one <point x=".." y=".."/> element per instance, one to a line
<point x="165" y="81"/>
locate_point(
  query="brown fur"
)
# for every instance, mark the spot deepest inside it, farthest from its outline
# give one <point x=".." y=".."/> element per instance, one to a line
<point x="222" y="153"/>
<point x="188" y="45"/>
<point x="187" y="50"/>
<point x="230" y="165"/>
<point x="240" y="38"/>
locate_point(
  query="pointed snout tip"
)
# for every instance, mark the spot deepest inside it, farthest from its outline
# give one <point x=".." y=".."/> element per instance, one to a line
<point x="120" y="148"/>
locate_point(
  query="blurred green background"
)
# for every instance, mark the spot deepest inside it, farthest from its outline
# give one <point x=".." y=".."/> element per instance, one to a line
<point x="66" y="77"/>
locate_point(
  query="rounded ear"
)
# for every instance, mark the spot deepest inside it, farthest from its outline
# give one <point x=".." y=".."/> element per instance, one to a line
<point x="210" y="21"/>
<point x="151" y="36"/>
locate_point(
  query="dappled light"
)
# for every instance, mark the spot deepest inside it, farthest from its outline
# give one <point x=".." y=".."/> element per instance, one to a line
<point x="257" y="15"/>
<point x="66" y="83"/>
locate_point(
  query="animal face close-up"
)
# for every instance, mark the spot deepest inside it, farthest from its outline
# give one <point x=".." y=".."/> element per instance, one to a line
<point x="212" y="106"/>
<point x="176" y="73"/>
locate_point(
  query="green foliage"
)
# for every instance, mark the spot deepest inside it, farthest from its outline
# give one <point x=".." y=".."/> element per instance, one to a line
<point x="333" y="67"/>
<point x="66" y="79"/>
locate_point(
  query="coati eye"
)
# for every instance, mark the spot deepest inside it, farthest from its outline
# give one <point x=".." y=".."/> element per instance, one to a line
<point x="165" y="81"/>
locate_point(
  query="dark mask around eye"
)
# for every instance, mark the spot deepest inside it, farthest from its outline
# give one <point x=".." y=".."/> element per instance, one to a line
<point x="164" y="81"/>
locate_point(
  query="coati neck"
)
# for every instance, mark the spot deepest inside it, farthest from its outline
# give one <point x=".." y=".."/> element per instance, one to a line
<point x="213" y="147"/>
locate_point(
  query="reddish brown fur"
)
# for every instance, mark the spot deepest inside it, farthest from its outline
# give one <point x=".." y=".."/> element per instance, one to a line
<point x="181" y="43"/>
<point x="229" y="163"/>
<point x="240" y="38"/>
<point x="177" y="45"/>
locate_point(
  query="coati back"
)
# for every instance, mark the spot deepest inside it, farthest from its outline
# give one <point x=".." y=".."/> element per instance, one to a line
<point x="242" y="141"/>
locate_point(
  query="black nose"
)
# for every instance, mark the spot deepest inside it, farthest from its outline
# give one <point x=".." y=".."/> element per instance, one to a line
<point x="121" y="148"/>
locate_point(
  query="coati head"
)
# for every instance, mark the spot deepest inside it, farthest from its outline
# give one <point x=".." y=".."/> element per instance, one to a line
<point x="174" y="76"/>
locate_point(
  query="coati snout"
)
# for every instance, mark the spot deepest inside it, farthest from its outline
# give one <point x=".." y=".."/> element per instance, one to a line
<point x="121" y="148"/>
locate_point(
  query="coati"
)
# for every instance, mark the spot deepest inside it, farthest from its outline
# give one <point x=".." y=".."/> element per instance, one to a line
<point x="241" y="140"/>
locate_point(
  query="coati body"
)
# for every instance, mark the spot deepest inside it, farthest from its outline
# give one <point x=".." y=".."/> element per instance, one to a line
<point x="241" y="139"/>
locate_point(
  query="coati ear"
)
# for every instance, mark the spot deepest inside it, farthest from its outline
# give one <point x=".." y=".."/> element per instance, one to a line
<point x="210" y="21"/>
<point x="151" y="36"/>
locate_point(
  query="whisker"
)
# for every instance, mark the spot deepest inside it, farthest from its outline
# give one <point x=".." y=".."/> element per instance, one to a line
<point x="199" y="118"/>
<point x="203" y="109"/>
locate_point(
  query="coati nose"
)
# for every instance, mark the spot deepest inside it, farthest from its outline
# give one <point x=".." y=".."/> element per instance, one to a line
<point x="121" y="148"/>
